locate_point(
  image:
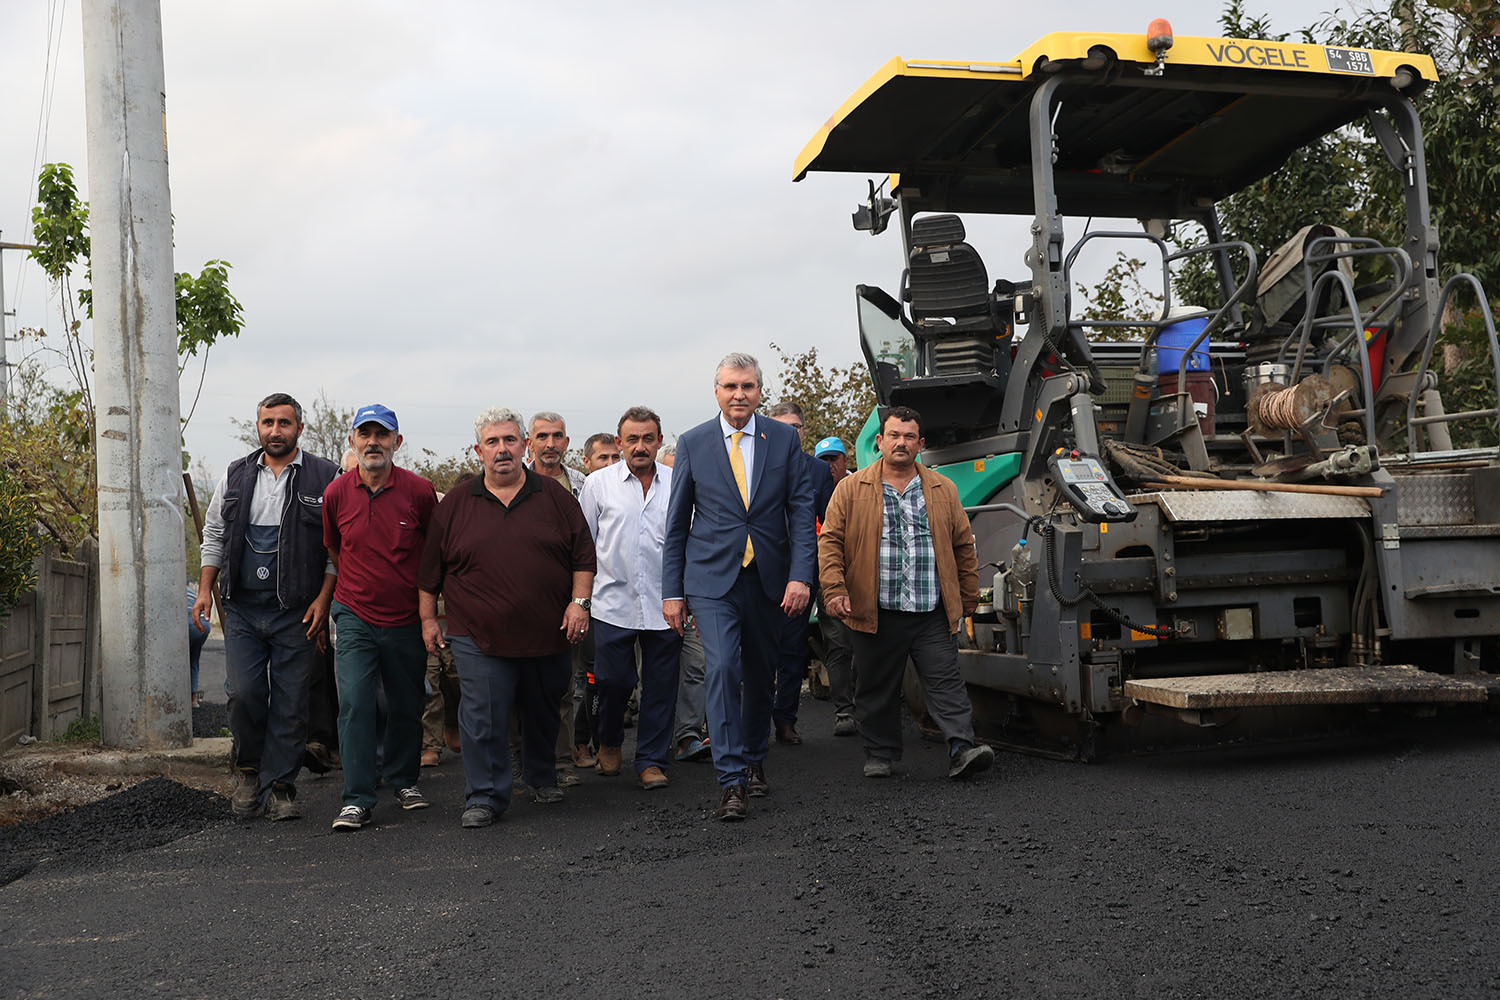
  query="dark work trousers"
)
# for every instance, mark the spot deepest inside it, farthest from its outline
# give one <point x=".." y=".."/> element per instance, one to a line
<point x="370" y="656"/>
<point x="323" y="702"/>
<point x="791" y="668"/>
<point x="585" y="694"/>
<point x="489" y="688"/>
<point x="741" y="642"/>
<point x="441" y="711"/>
<point x="615" y="673"/>
<point x="923" y="636"/>
<point x="838" y="660"/>
<point x="269" y="661"/>
<point x="691" y="721"/>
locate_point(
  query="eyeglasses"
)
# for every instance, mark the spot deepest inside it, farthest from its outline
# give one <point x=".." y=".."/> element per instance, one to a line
<point x="736" y="386"/>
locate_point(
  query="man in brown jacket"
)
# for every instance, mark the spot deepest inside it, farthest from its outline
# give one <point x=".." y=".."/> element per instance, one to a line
<point x="896" y="562"/>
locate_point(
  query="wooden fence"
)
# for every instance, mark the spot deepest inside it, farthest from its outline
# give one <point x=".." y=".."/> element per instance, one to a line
<point x="49" y="649"/>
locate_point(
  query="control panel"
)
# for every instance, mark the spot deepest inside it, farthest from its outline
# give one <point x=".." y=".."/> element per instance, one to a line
<point x="1086" y="486"/>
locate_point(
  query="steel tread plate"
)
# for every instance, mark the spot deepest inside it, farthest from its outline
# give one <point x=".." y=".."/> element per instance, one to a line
<point x="1244" y="505"/>
<point x="1335" y="686"/>
<point x="1449" y="531"/>
<point x="1444" y="498"/>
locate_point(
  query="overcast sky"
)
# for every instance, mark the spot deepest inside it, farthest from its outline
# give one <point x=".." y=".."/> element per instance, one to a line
<point x="569" y="206"/>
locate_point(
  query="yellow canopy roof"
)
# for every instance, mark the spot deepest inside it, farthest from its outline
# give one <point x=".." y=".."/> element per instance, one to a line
<point x="1224" y="113"/>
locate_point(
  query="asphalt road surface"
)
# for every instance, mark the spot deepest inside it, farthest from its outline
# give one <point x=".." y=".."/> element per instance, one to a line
<point x="1352" y="867"/>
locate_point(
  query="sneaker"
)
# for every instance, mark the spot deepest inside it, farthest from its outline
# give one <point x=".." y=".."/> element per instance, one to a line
<point x="283" y="804"/>
<point x="245" y="802"/>
<point x="351" y="818"/>
<point x="970" y="761"/>
<point x="877" y="767"/>
<point x="411" y="798"/>
<point x="567" y="777"/>
<point x="547" y="795"/>
<point x="843" y="725"/>
<point x="478" y="816"/>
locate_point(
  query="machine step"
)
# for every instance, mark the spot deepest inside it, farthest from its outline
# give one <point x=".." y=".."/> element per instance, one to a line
<point x="1333" y="686"/>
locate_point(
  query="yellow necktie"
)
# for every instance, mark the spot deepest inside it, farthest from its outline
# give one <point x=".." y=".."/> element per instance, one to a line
<point x="737" y="463"/>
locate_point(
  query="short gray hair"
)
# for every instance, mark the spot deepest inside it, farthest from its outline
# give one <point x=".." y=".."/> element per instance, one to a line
<point x="737" y="359"/>
<point x="784" y="407"/>
<point x="669" y="449"/>
<point x="496" y="415"/>
<point x="547" y="416"/>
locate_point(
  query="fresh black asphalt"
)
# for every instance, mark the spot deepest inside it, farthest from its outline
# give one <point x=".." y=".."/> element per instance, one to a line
<point x="1351" y="867"/>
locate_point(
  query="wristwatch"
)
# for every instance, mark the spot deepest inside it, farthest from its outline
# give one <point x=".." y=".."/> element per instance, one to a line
<point x="584" y="603"/>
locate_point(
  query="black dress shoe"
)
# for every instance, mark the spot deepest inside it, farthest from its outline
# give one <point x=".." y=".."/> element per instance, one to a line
<point x="786" y="732"/>
<point x="732" y="806"/>
<point x="755" y="780"/>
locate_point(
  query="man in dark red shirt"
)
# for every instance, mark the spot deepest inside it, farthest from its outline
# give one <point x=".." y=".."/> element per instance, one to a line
<point x="511" y="554"/>
<point x="374" y="527"/>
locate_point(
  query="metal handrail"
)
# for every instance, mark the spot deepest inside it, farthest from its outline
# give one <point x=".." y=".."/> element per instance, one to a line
<point x="1432" y="332"/>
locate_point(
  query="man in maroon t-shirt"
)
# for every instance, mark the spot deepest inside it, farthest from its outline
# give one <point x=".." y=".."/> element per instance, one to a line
<point x="511" y="554"/>
<point x="374" y="527"/>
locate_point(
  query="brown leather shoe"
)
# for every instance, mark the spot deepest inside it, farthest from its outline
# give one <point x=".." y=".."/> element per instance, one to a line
<point x="786" y="733"/>
<point x="755" y="780"/>
<point x="732" y="806"/>
<point x="609" y="761"/>
<point x="584" y="757"/>
<point x="654" y="777"/>
<point x="429" y="758"/>
<point x="451" y="738"/>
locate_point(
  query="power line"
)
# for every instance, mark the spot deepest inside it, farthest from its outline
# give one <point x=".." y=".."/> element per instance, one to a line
<point x="57" y="12"/>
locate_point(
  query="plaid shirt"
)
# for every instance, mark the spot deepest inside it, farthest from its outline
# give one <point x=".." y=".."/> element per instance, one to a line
<point x="908" y="566"/>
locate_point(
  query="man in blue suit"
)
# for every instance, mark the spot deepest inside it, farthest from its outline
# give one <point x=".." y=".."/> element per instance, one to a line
<point x="740" y="548"/>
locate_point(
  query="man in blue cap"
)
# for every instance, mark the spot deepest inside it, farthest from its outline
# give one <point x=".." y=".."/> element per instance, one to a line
<point x="374" y="527"/>
<point x="838" y="646"/>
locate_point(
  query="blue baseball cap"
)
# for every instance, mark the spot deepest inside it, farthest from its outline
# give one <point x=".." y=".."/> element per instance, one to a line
<point x="375" y="414"/>
<point x="829" y="446"/>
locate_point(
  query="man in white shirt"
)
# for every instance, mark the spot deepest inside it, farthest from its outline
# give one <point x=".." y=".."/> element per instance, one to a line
<point x="625" y="506"/>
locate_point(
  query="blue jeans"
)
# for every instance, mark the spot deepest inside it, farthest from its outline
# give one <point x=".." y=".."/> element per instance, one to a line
<point x="268" y="663"/>
<point x="489" y="688"/>
<point x="741" y="646"/>
<point x="615" y="677"/>
<point x="365" y="656"/>
<point x="196" y="638"/>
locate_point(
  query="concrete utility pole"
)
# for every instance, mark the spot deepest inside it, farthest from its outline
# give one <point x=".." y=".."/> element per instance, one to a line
<point x="142" y="557"/>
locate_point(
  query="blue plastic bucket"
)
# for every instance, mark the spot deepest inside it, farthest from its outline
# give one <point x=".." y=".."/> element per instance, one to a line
<point x="1176" y="339"/>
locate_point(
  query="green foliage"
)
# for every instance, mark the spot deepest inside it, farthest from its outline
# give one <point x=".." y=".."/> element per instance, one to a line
<point x="82" y="730"/>
<point x="1120" y="295"/>
<point x="19" y="543"/>
<point x="47" y="448"/>
<point x="206" y="310"/>
<point x="48" y="440"/>
<point x="834" y="400"/>
<point x="443" y="473"/>
<point x="59" y="222"/>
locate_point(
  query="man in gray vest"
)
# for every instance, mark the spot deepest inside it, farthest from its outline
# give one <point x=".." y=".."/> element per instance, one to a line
<point x="263" y="545"/>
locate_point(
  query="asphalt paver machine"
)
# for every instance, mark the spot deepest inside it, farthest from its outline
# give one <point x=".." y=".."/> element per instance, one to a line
<point x="1252" y="511"/>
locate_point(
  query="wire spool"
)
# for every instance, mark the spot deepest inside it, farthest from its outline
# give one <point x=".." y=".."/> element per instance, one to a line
<point x="1273" y="409"/>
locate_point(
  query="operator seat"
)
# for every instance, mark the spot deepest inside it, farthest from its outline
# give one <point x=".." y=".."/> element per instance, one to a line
<point x="963" y="333"/>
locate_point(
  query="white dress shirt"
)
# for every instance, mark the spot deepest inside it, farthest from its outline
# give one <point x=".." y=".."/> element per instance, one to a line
<point x="629" y="526"/>
<point x="747" y="448"/>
